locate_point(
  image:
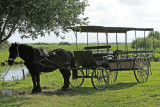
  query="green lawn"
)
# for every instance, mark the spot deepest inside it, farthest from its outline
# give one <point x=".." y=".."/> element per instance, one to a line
<point x="125" y="92"/>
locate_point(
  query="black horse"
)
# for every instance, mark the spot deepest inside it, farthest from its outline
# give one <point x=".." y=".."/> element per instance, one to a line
<point x="38" y="60"/>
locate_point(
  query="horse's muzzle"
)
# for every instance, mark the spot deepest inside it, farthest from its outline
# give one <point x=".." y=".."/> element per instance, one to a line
<point x="10" y="62"/>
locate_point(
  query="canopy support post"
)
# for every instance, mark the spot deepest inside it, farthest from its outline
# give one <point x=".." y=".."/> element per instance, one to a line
<point x="97" y="41"/>
<point x="116" y="41"/>
<point x="87" y="38"/>
<point x="126" y="45"/>
<point x="145" y="42"/>
<point x="76" y="40"/>
<point x="136" y="42"/>
<point x="107" y="41"/>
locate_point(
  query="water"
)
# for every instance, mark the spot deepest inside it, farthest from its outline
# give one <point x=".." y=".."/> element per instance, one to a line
<point x="15" y="72"/>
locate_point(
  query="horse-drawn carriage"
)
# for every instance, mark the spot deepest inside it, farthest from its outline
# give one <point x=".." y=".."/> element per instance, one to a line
<point x="103" y="67"/>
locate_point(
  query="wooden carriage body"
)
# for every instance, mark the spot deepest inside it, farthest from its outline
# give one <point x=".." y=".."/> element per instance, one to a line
<point x="112" y="61"/>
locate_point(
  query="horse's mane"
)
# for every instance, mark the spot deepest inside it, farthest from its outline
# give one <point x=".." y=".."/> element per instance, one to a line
<point x="28" y="47"/>
<point x="25" y="45"/>
<point x="35" y="52"/>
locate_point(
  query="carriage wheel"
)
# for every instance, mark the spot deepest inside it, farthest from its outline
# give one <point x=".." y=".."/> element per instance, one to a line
<point x="77" y="82"/>
<point x="100" y="78"/>
<point x="113" y="76"/>
<point x="141" y="68"/>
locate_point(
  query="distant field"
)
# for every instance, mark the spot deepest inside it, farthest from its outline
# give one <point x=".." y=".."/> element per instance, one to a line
<point x="80" y="46"/>
<point x="4" y="53"/>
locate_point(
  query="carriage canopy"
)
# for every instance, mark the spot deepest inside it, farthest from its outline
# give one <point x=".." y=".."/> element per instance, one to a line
<point x="102" y="29"/>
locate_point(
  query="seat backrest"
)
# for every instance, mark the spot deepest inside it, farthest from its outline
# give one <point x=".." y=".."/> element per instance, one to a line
<point x="84" y="58"/>
<point x="97" y="47"/>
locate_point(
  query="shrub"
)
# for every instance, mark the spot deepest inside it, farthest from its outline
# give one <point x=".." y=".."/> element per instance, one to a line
<point x="141" y="43"/>
<point x="41" y="43"/>
<point x="157" y="50"/>
<point x="4" y="45"/>
<point x="156" y="57"/>
<point x="64" y="43"/>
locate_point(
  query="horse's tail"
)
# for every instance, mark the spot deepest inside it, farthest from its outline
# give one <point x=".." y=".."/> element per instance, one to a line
<point x="72" y="65"/>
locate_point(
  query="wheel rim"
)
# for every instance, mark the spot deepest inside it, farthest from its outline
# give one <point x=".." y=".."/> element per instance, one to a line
<point x="141" y="68"/>
<point x="113" y="76"/>
<point x="77" y="82"/>
<point x="100" y="78"/>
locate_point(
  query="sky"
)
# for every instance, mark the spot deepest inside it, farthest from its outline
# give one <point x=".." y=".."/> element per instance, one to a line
<point x="110" y="13"/>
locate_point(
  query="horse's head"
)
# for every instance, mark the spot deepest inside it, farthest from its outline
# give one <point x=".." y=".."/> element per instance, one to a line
<point x="13" y="53"/>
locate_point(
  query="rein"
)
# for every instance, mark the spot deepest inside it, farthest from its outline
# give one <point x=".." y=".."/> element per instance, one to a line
<point x="44" y="65"/>
<point x="46" y="59"/>
<point x="56" y="64"/>
<point x="5" y="73"/>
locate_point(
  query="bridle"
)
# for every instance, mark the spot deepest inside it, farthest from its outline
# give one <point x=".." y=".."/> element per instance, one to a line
<point x="12" y="59"/>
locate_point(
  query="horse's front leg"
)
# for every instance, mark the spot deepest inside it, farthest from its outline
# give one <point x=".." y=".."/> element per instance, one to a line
<point x="38" y="87"/>
<point x="34" y="83"/>
<point x="33" y="76"/>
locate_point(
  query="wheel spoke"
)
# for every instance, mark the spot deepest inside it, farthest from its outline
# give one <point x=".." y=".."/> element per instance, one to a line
<point x="100" y="78"/>
<point x="141" y="68"/>
<point x="95" y="80"/>
<point x="79" y="80"/>
<point x="113" y="76"/>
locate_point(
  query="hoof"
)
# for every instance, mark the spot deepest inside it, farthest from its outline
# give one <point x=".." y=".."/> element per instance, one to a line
<point x="36" y="91"/>
<point x="39" y="90"/>
<point x="64" y="89"/>
<point x="33" y="92"/>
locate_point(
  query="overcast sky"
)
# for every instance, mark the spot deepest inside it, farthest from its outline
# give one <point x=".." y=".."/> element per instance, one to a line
<point x="111" y="13"/>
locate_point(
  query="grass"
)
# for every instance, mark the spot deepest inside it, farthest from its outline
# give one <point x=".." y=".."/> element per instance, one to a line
<point x="3" y="55"/>
<point x="124" y="92"/>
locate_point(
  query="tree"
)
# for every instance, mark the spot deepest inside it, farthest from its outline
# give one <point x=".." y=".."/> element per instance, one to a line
<point x="64" y="43"/>
<point x="32" y="18"/>
<point x="141" y="43"/>
<point x="156" y="34"/>
<point x="4" y="45"/>
<point x="149" y="41"/>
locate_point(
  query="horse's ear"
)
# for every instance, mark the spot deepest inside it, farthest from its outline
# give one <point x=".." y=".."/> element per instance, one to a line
<point x="16" y="43"/>
<point x="12" y="43"/>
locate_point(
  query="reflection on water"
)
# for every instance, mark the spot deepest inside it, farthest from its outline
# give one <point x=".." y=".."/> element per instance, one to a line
<point x="15" y="72"/>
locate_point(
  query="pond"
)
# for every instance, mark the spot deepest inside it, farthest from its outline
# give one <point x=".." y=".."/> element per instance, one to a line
<point x="15" y="72"/>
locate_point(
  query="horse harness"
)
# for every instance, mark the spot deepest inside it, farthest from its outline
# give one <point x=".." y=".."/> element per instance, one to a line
<point x="57" y="58"/>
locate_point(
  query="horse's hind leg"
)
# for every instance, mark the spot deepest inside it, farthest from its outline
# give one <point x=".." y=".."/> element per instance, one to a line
<point x="66" y="75"/>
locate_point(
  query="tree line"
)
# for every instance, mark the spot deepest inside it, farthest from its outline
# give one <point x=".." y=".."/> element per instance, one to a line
<point x="148" y="42"/>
